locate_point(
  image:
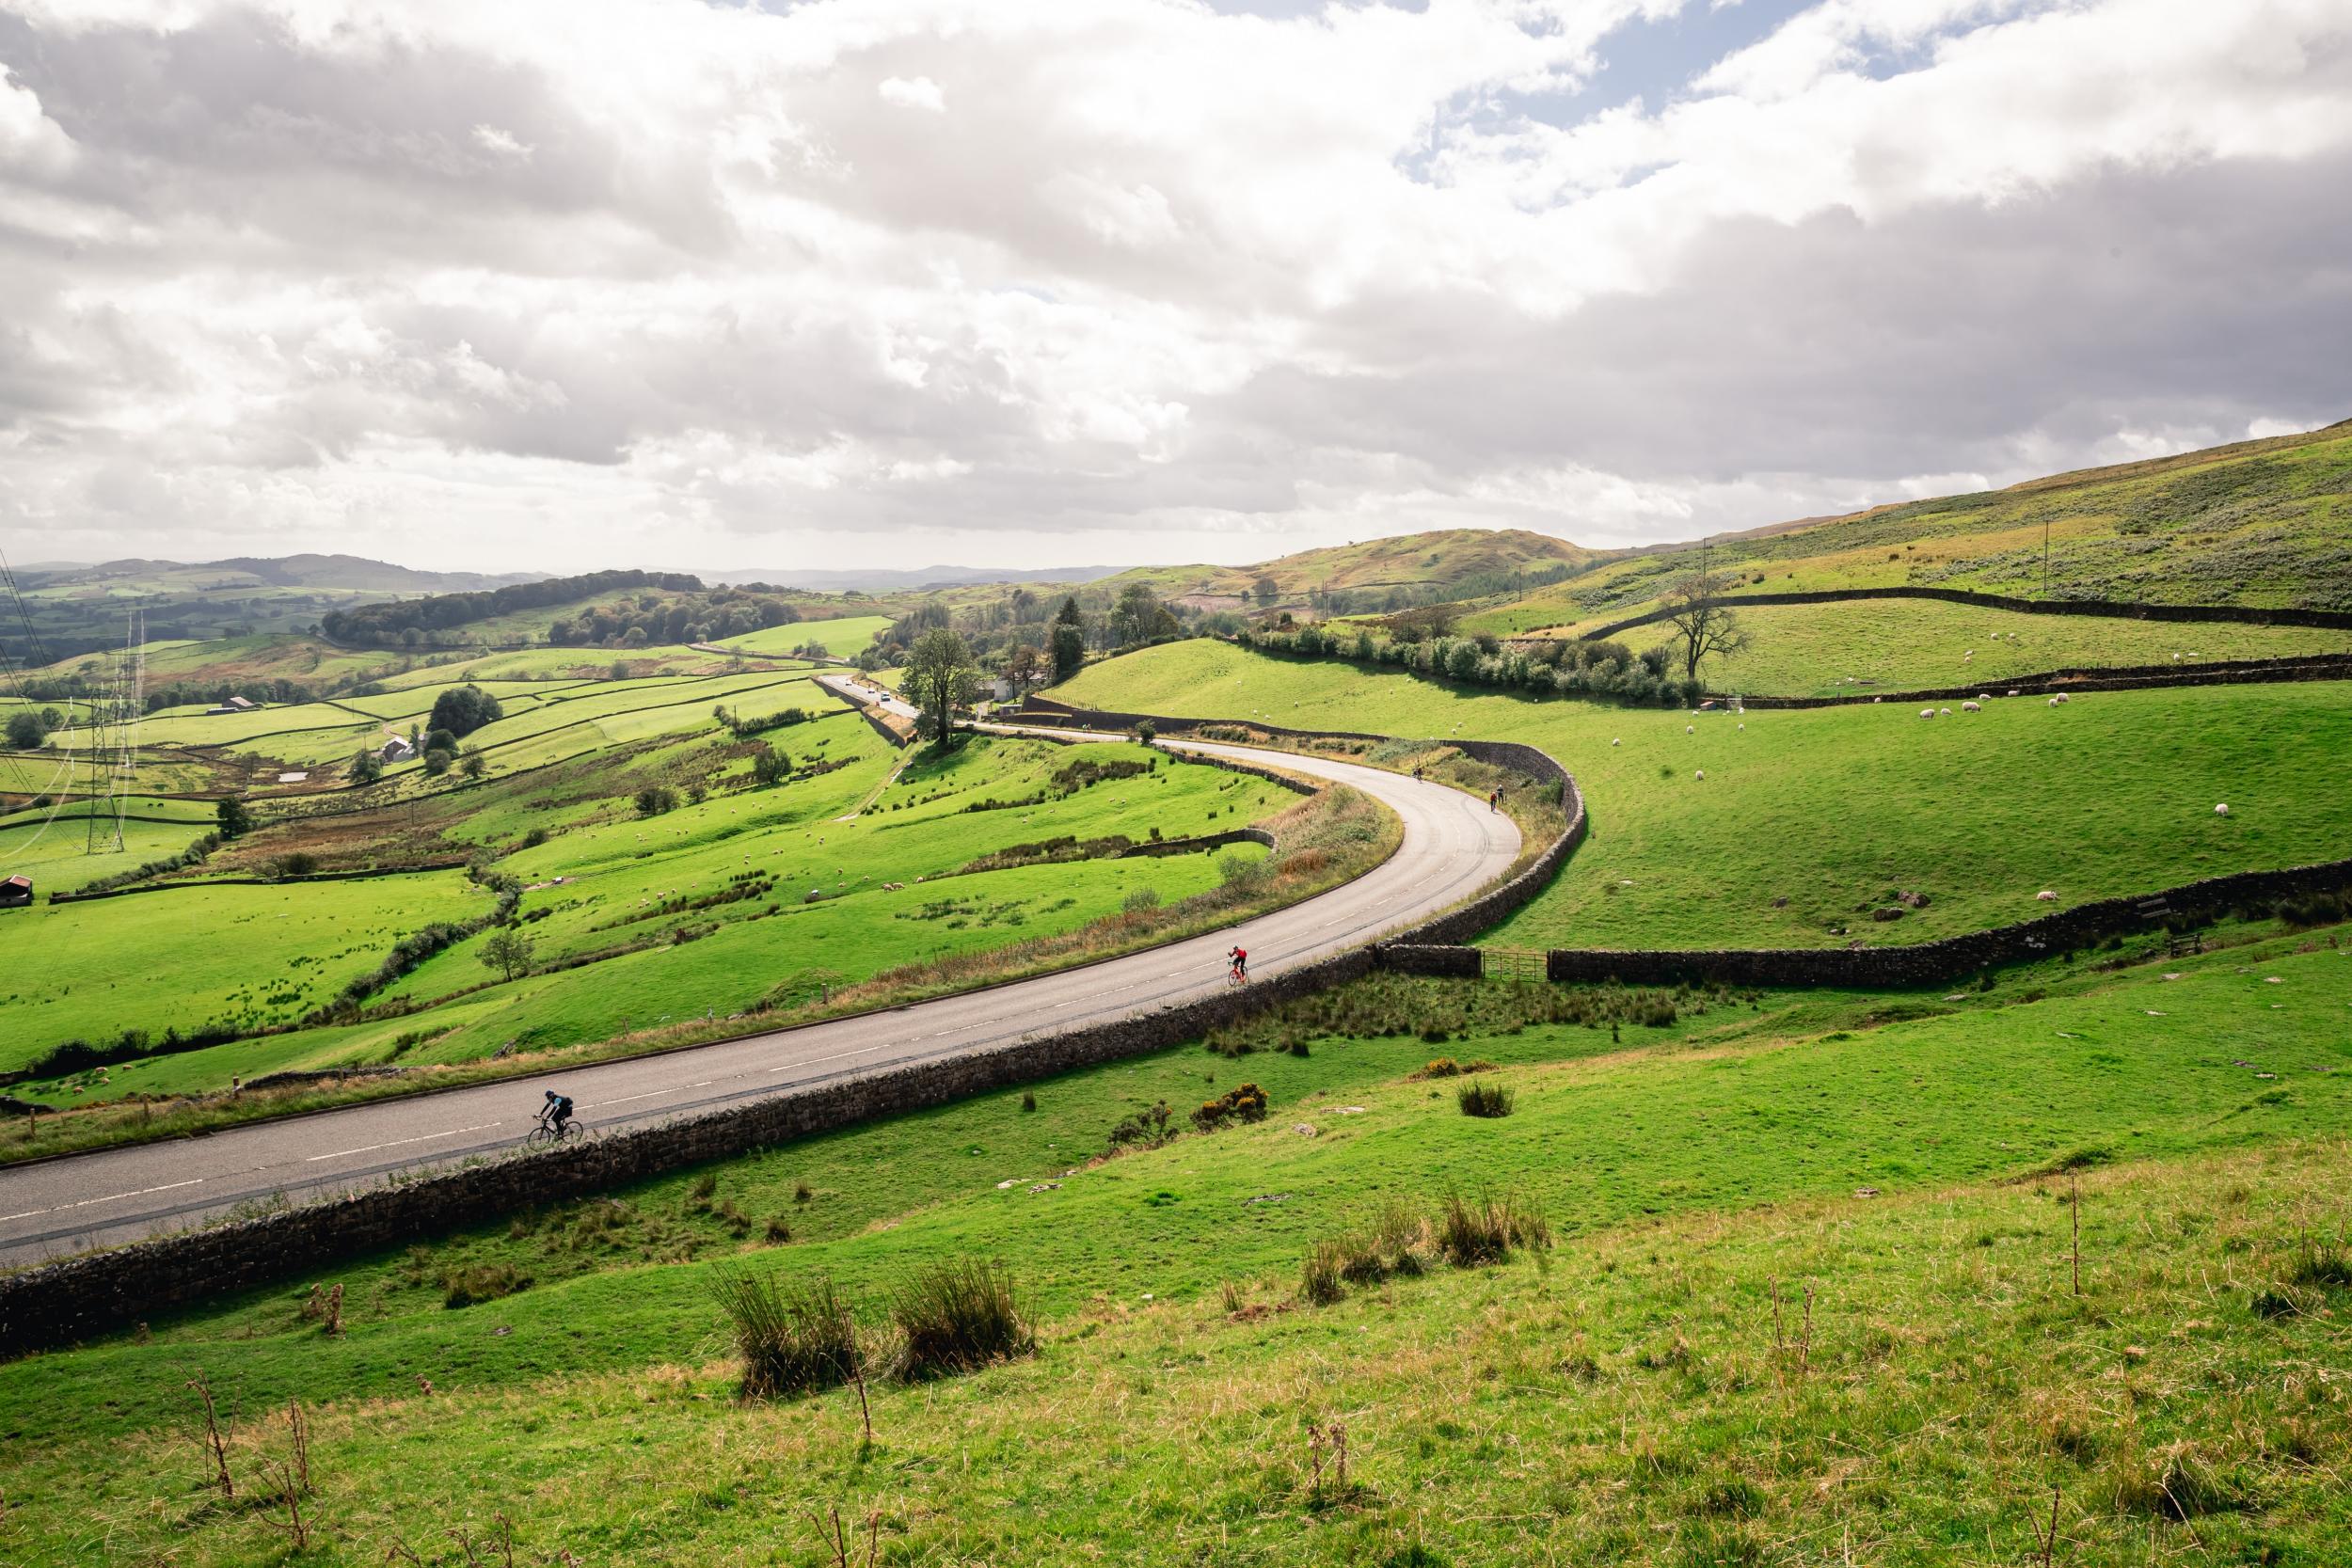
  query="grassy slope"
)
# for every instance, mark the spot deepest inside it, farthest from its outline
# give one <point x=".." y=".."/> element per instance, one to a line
<point x="843" y="638"/>
<point x="1443" y="556"/>
<point x="1836" y="808"/>
<point x="2261" y="523"/>
<point x="1815" y="650"/>
<point x="199" y="955"/>
<point x="1599" y="1409"/>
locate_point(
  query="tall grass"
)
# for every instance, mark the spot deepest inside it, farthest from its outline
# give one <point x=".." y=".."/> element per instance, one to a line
<point x="791" y="1337"/>
<point x="958" y="1316"/>
<point x="1485" y="1099"/>
<point x="1489" y="1228"/>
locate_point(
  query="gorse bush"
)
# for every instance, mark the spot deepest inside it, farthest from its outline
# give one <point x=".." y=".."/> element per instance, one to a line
<point x="959" y="1316"/>
<point x="1484" y="1100"/>
<point x="791" y="1338"/>
<point x="1245" y="1104"/>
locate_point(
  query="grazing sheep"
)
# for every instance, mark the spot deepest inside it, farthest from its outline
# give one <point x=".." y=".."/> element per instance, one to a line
<point x="1972" y="707"/>
<point x="2046" y="896"/>
<point x="1689" y="729"/>
<point x="1927" y="713"/>
<point x="1702" y="772"/>
<point x="2222" y="810"/>
<point x="2054" y="701"/>
<point x="1618" y="741"/>
<point x="1743" y="729"/>
<point x="1948" y="713"/>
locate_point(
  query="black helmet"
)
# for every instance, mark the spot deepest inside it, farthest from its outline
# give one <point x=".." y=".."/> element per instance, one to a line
<point x="550" y="1093"/>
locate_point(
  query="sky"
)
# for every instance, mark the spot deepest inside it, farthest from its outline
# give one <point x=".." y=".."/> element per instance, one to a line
<point x="565" y="284"/>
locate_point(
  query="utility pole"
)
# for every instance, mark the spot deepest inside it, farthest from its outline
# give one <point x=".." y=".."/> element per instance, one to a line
<point x="2046" y="559"/>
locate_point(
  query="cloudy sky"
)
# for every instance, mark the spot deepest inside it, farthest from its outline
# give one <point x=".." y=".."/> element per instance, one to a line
<point x="516" y="284"/>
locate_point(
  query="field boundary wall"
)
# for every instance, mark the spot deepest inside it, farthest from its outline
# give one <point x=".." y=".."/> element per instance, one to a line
<point x="2251" y="615"/>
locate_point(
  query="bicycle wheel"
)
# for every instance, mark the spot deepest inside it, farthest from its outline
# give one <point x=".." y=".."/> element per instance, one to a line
<point x="539" y="1137"/>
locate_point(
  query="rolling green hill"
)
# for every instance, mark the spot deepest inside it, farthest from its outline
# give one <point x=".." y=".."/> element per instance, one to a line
<point x="1448" y="558"/>
<point x="2256" y="523"/>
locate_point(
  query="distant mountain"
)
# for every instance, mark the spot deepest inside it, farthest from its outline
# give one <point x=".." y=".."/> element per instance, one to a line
<point x="345" y="573"/>
<point x="882" y="579"/>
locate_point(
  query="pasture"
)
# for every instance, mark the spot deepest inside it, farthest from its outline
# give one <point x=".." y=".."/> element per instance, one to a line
<point x="1904" y="1178"/>
<point x="844" y="638"/>
<point x="1807" y="821"/>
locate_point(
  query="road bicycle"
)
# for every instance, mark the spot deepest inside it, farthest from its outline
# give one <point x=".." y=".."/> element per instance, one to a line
<point x="548" y="1134"/>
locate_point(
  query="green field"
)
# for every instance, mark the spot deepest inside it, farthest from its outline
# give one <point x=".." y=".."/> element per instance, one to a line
<point x="1837" y="809"/>
<point x="1618" y="1394"/>
<point x="845" y="638"/>
<point x="199" y="955"/>
<point x="703" y="910"/>
<point x="1899" y="644"/>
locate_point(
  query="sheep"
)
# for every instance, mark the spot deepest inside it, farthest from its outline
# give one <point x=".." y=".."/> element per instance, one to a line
<point x="2222" y="810"/>
<point x="2046" y="896"/>
<point x="1927" y="713"/>
<point x="1948" y="713"/>
<point x="1702" y="773"/>
<point x="1743" y="729"/>
<point x="1617" y="741"/>
<point x="2054" y="701"/>
<point x="1689" y="729"/>
<point x="1972" y="707"/>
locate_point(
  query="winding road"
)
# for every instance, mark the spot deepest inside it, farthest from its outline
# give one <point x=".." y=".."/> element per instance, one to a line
<point x="1453" y="847"/>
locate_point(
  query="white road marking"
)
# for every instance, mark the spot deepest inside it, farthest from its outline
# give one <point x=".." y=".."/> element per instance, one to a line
<point x="626" y="1098"/>
<point x="422" y="1138"/>
<point x="111" y="1197"/>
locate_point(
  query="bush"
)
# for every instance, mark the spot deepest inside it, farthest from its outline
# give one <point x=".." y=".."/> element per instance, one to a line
<point x="1245" y="1103"/>
<point x="957" y="1316"/>
<point x="1241" y="873"/>
<point x="1487" y="1228"/>
<point x="1484" y="1100"/>
<point x="1143" y="900"/>
<point x="654" y="800"/>
<point x="792" y="1337"/>
<point x="478" y="1282"/>
<point x="1145" y="1129"/>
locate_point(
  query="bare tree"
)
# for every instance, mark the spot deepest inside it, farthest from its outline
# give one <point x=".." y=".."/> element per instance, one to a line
<point x="1704" y="624"/>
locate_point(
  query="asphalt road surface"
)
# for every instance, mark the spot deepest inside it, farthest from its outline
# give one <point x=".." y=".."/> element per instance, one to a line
<point x="1453" y="846"/>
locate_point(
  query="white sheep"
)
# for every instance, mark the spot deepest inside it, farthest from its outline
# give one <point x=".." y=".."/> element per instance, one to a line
<point x="1927" y="713"/>
<point x="2222" y="810"/>
<point x="1702" y="772"/>
<point x="1618" y="741"/>
<point x="1948" y="713"/>
<point x="1689" y="729"/>
<point x="2054" y="701"/>
<point x="1743" y="729"/>
<point x="2046" y="896"/>
<point x="1972" y="707"/>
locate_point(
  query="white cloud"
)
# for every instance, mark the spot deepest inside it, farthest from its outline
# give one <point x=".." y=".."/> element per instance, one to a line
<point x="697" y="282"/>
<point x="919" y="92"/>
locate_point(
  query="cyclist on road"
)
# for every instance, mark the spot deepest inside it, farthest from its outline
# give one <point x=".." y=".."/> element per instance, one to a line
<point x="1239" y="958"/>
<point x="557" y="1114"/>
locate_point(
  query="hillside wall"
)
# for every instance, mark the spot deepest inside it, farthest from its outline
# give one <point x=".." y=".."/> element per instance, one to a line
<point x="2251" y="615"/>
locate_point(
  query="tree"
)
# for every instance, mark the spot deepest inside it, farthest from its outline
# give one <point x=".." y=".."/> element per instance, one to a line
<point x="1704" y="624"/>
<point x="939" y="675"/>
<point x="471" y="764"/>
<point x="1070" y="651"/>
<point x="1266" y="589"/>
<point x="436" y="761"/>
<point x="1139" y="617"/>
<point x="25" y="731"/>
<point x="365" y="768"/>
<point x="770" y="765"/>
<point x="508" y="951"/>
<point x="463" y="709"/>
<point x="1068" y="614"/>
<point x="1025" y="667"/>
<point x="654" y="800"/>
<point x="233" y="820"/>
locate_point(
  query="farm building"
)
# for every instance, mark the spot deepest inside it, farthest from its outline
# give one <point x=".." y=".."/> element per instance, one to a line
<point x="16" y="892"/>
<point x="397" y="750"/>
<point x="234" y="705"/>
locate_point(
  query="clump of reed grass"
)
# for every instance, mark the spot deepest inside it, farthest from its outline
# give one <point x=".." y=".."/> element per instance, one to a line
<point x="959" y="1316"/>
<point x="792" y="1336"/>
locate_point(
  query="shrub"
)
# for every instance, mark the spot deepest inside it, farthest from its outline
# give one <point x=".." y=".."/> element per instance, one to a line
<point x="1145" y="1129"/>
<point x="1484" y="1100"/>
<point x="654" y="800"/>
<point x="957" y="1316"/>
<point x="1245" y="1103"/>
<point x="1143" y="900"/>
<point x="476" y="1282"/>
<point x="1241" y="873"/>
<point x="792" y="1337"/>
<point x="1488" y="1229"/>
